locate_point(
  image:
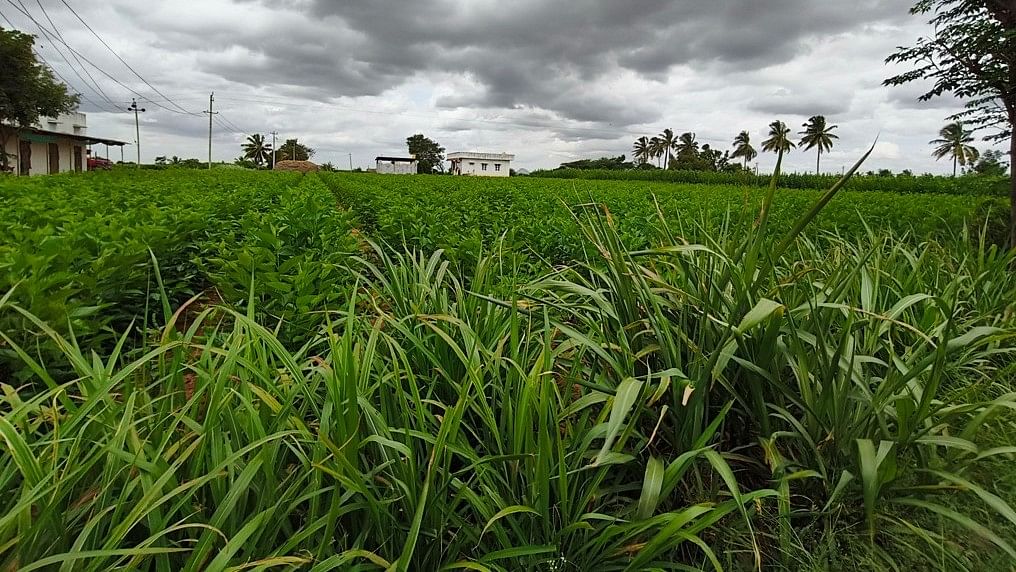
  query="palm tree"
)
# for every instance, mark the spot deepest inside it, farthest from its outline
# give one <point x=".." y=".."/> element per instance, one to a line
<point x="655" y="149"/>
<point x="953" y="141"/>
<point x="687" y="145"/>
<point x="778" y="140"/>
<point x="743" y="148"/>
<point x="256" y="149"/>
<point x="666" y="142"/>
<point x="817" y="134"/>
<point x="641" y="150"/>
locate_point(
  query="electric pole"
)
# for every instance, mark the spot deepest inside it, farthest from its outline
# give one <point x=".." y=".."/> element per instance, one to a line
<point x="137" y="128"/>
<point x="211" y="114"/>
<point x="350" y="162"/>
<point x="274" y="133"/>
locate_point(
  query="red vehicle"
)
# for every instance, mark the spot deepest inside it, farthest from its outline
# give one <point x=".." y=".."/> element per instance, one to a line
<point x="99" y="164"/>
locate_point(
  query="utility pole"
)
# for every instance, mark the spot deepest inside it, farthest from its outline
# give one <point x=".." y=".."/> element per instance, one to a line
<point x="211" y="114"/>
<point x="137" y="129"/>
<point x="274" y="133"/>
<point x="350" y="161"/>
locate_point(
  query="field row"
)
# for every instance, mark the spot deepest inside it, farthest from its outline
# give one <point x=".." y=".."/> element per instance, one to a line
<point x="902" y="184"/>
<point x="535" y="215"/>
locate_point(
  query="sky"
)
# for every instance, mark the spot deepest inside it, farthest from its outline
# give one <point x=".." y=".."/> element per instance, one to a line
<point x="549" y="81"/>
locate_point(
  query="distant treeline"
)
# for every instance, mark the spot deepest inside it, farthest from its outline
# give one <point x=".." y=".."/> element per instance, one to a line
<point x="903" y="183"/>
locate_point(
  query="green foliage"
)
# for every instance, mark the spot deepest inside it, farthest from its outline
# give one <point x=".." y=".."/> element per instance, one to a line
<point x="609" y="163"/>
<point x="903" y="183"/>
<point x="462" y="216"/>
<point x="688" y="387"/>
<point x="78" y="250"/>
<point x="429" y="155"/>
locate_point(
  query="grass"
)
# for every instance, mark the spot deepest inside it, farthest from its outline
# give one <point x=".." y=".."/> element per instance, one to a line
<point x="765" y="396"/>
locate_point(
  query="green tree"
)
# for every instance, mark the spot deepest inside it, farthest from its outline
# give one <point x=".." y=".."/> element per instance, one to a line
<point x="954" y="142"/>
<point x="429" y="155"/>
<point x="663" y="144"/>
<point x="743" y="149"/>
<point x="971" y="54"/>
<point x="257" y="150"/>
<point x="293" y="150"/>
<point x="28" y="89"/>
<point x="687" y="146"/>
<point x="779" y="139"/>
<point x="641" y="150"/>
<point x="817" y="134"/>
<point x="991" y="164"/>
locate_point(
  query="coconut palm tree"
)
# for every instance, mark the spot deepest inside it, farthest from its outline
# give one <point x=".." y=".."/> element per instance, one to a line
<point x="641" y="150"/>
<point x="953" y="141"/>
<point x="256" y="149"/>
<point x="817" y="134"/>
<point x="687" y="145"/>
<point x="743" y="148"/>
<point x="665" y="143"/>
<point x="778" y="138"/>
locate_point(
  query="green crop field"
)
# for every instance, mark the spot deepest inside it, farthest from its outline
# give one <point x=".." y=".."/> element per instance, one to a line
<point x="233" y="370"/>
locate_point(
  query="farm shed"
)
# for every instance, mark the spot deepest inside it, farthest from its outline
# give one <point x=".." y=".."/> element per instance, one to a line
<point x="52" y="145"/>
<point x="396" y="165"/>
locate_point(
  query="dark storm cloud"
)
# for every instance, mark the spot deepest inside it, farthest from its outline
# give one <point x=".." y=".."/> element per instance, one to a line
<point x="532" y="53"/>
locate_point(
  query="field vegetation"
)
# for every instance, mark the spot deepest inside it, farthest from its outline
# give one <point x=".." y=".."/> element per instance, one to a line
<point x="243" y="370"/>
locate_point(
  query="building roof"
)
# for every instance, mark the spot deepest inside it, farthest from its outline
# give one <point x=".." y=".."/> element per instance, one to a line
<point x="87" y="139"/>
<point x="396" y="159"/>
<point x="479" y="155"/>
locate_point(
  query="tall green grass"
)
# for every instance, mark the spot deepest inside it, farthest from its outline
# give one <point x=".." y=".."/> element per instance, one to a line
<point x="750" y="400"/>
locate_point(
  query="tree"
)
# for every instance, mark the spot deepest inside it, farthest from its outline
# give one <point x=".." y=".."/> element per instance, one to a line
<point x="641" y="150"/>
<point x="293" y="150"/>
<point x="429" y="155"/>
<point x="160" y="160"/>
<point x="687" y="146"/>
<point x="664" y="143"/>
<point x="257" y="150"/>
<point x="606" y="163"/>
<point x="972" y="56"/>
<point x="991" y="164"/>
<point x="743" y="148"/>
<point x="953" y="142"/>
<point x="28" y="89"/>
<point x="778" y="138"/>
<point x="817" y="134"/>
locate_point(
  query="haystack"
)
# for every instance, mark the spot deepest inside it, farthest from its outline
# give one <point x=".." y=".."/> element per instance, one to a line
<point x="299" y="166"/>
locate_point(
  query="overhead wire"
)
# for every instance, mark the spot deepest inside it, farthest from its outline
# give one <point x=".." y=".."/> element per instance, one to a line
<point x="94" y="85"/>
<point x="127" y="65"/>
<point x="102" y="71"/>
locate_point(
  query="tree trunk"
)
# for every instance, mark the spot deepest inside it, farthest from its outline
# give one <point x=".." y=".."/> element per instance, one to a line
<point x="1012" y="189"/>
<point x="954" y="165"/>
<point x="818" y="161"/>
<point x="5" y="135"/>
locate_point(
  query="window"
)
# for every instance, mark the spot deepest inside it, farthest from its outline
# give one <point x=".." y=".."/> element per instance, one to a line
<point x="497" y="166"/>
<point x="471" y="163"/>
<point x="483" y="166"/>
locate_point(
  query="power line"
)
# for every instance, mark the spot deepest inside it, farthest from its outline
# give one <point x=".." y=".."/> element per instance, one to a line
<point x="102" y="71"/>
<point x="52" y="68"/>
<point x="112" y="51"/>
<point x="97" y="88"/>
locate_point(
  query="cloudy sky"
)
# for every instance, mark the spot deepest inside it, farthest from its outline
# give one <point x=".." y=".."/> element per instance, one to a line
<point x="550" y="81"/>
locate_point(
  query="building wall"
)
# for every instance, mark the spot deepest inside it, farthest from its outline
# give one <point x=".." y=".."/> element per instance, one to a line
<point x="40" y="155"/>
<point x="475" y="167"/>
<point x="396" y="167"/>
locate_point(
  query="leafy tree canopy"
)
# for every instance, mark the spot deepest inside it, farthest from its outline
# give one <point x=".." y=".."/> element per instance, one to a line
<point x="609" y="163"/>
<point x="429" y="155"/>
<point x="293" y="150"/>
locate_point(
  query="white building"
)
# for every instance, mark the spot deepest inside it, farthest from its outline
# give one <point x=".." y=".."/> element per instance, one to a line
<point x="481" y="164"/>
<point x="52" y="145"/>
<point x="396" y="165"/>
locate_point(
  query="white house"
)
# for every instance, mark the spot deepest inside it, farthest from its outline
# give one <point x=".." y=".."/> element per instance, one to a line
<point x="396" y="165"/>
<point x="481" y="164"/>
<point x="52" y="145"/>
